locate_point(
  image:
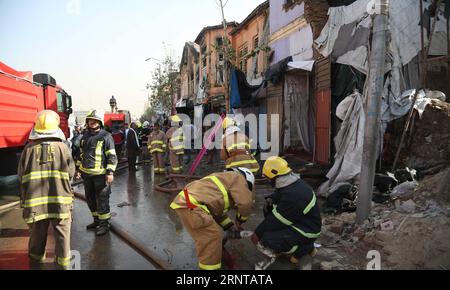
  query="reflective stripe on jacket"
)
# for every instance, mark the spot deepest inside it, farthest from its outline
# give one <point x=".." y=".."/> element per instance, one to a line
<point x="175" y="138"/>
<point x="98" y="154"/>
<point x="295" y="206"/>
<point x="45" y="171"/>
<point x="236" y="152"/>
<point x="157" y="142"/>
<point x="217" y="194"/>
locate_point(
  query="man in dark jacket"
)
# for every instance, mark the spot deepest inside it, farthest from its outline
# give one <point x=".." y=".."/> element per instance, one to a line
<point x="292" y="216"/>
<point x="133" y="147"/>
<point x="97" y="164"/>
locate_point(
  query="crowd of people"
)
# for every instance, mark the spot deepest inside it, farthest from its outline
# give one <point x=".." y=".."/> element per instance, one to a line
<point x="47" y="167"/>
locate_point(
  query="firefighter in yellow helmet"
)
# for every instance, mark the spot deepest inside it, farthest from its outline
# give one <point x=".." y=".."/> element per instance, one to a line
<point x="175" y="140"/>
<point x="203" y="205"/>
<point x="157" y="145"/>
<point x="292" y="216"/>
<point x="236" y="148"/>
<point x="45" y="171"/>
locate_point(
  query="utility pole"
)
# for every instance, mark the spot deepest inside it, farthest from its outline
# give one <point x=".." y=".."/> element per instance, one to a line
<point x="373" y="114"/>
<point x="225" y="58"/>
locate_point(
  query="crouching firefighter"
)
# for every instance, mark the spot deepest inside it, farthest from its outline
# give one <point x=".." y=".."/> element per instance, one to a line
<point x="45" y="170"/>
<point x="203" y="205"/>
<point x="97" y="164"/>
<point x="236" y="148"/>
<point x="292" y="216"/>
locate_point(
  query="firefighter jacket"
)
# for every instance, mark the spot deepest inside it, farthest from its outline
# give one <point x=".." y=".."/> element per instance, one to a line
<point x="98" y="155"/>
<point x="157" y="142"/>
<point x="175" y="139"/>
<point x="295" y="206"/>
<point x="45" y="172"/>
<point x="236" y="152"/>
<point x="144" y="136"/>
<point x="216" y="194"/>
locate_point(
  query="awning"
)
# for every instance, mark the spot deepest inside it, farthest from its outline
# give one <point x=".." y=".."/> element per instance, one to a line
<point x="303" y="65"/>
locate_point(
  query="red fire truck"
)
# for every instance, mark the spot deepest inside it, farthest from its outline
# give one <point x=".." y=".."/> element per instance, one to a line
<point x="22" y="95"/>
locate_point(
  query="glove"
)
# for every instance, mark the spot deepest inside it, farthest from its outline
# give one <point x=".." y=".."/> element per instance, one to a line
<point x="254" y="238"/>
<point x="233" y="233"/>
<point x="268" y="207"/>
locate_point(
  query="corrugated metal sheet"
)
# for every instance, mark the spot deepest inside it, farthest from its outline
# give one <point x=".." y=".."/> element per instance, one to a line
<point x="323" y="126"/>
<point x="323" y="111"/>
<point x="323" y="74"/>
<point x="274" y="105"/>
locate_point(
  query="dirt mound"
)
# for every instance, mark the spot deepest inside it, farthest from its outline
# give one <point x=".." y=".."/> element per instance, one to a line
<point x="428" y="141"/>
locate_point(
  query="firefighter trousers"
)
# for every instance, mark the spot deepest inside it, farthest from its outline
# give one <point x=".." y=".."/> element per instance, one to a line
<point x="176" y="162"/>
<point x="97" y="197"/>
<point x="287" y="241"/>
<point x="207" y="235"/>
<point x="158" y="163"/>
<point x="38" y="240"/>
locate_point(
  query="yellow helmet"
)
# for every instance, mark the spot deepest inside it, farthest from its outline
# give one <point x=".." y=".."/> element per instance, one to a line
<point x="46" y="122"/>
<point x="276" y="166"/>
<point x="175" y="119"/>
<point x="228" y="122"/>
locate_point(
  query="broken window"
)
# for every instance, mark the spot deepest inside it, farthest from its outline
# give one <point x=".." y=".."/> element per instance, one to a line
<point x="243" y="51"/>
<point x="255" y="56"/>
<point x="219" y="41"/>
<point x="204" y="56"/>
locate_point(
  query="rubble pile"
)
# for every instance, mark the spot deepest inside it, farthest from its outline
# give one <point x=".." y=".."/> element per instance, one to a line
<point x="410" y="231"/>
<point x="428" y="142"/>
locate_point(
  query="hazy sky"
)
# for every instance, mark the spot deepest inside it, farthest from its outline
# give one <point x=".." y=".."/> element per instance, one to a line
<point x="97" y="48"/>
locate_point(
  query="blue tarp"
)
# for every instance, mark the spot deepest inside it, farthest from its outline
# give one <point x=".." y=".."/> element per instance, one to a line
<point x="235" y="94"/>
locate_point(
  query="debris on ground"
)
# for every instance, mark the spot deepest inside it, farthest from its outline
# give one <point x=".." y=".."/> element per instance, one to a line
<point x="410" y="230"/>
<point x="123" y="204"/>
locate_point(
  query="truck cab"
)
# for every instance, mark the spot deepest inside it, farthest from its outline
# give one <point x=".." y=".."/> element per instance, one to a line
<point x="22" y="95"/>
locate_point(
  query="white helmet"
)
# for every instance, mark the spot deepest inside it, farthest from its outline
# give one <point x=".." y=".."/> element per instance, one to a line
<point x="98" y="115"/>
<point x="249" y="176"/>
<point x="146" y="125"/>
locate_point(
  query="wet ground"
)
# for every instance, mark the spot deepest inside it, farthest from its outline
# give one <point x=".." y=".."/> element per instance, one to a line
<point x="145" y="215"/>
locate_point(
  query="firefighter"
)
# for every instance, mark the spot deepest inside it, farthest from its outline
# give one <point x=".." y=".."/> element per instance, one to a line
<point x="292" y="216"/>
<point x="236" y="148"/>
<point x="203" y="205"/>
<point x="97" y="164"/>
<point x="45" y="171"/>
<point x="175" y="139"/>
<point x="157" y="147"/>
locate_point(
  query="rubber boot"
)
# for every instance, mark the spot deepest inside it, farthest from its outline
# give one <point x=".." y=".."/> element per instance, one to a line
<point x="94" y="225"/>
<point x="103" y="228"/>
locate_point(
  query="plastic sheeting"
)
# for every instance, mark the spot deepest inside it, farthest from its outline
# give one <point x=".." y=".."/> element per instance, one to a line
<point x="303" y="65"/>
<point x="399" y="107"/>
<point x="299" y="113"/>
<point x="350" y="22"/>
<point x="349" y="145"/>
<point x="350" y="140"/>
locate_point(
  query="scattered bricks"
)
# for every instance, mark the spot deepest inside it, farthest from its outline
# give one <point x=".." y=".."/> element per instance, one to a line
<point x="387" y="226"/>
<point x="328" y="266"/>
<point x="337" y="227"/>
<point x="377" y="223"/>
<point x="359" y="233"/>
<point x="407" y="207"/>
